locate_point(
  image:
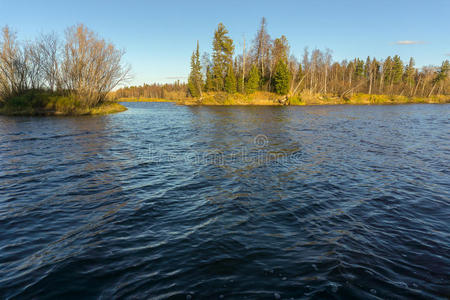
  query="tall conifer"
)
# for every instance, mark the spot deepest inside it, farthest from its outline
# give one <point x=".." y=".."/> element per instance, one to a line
<point x="195" y="80"/>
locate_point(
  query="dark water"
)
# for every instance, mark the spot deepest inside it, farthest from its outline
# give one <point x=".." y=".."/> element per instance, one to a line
<point x="166" y="201"/>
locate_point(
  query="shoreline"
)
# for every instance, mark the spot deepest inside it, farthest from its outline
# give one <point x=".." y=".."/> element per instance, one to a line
<point x="315" y="104"/>
<point x="104" y="109"/>
<point x="144" y="100"/>
<point x="269" y="99"/>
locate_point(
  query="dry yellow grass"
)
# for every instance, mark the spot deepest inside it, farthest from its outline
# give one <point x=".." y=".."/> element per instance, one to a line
<point x="362" y="99"/>
<point x="144" y="100"/>
<point x="258" y="98"/>
<point x="103" y="109"/>
<point x="304" y="98"/>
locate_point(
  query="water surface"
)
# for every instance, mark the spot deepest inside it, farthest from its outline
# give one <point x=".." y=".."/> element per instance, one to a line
<point x="166" y="201"/>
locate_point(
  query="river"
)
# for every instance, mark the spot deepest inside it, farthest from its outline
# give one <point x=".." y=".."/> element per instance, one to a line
<point x="175" y="202"/>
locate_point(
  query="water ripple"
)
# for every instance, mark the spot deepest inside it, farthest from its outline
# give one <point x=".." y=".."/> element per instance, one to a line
<point x="174" y="202"/>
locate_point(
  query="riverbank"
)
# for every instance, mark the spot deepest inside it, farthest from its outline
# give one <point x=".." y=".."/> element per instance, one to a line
<point x="42" y="104"/>
<point x="139" y="99"/>
<point x="221" y="98"/>
<point x="271" y="99"/>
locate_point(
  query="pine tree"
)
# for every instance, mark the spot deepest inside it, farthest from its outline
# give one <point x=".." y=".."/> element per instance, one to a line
<point x="223" y="49"/>
<point x="253" y="80"/>
<point x="281" y="78"/>
<point x="230" y="80"/>
<point x="195" y="80"/>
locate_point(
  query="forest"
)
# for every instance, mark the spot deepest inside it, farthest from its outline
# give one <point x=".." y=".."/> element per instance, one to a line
<point x="170" y="91"/>
<point x="270" y="65"/>
<point x="50" y="75"/>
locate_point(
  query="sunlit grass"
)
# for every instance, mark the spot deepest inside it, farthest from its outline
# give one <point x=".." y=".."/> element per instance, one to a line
<point x="141" y="99"/>
<point x="306" y="98"/>
<point x="42" y="103"/>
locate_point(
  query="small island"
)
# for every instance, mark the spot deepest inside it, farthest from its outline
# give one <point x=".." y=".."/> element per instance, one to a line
<point x="49" y="76"/>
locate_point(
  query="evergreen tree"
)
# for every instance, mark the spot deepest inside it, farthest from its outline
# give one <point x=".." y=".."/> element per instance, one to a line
<point x="443" y="72"/>
<point x="359" y="69"/>
<point x="223" y="49"/>
<point x="441" y="76"/>
<point x="230" y="80"/>
<point x="397" y="70"/>
<point x="195" y="80"/>
<point x="240" y="83"/>
<point x="409" y="73"/>
<point x="367" y="67"/>
<point x="387" y="68"/>
<point x="281" y="78"/>
<point x="238" y="67"/>
<point x="387" y="73"/>
<point x="209" y="85"/>
<point x="253" y="80"/>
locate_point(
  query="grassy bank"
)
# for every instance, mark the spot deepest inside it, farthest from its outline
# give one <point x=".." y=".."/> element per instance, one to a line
<point x="140" y="99"/>
<point x="45" y="104"/>
<point x="258" y="98"/>
<point x="265" y="98"/>
<point x="365" y="99"/>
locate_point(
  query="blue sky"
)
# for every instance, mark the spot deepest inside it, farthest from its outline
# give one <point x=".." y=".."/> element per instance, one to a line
<point x="159" y="36"/>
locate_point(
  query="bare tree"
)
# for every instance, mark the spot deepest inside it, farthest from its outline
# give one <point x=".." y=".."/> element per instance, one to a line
<point x="91" y="67"/>
<point x="50" y="48"/>
<point x="261" y="47"/>
<point x="13" y="66"/>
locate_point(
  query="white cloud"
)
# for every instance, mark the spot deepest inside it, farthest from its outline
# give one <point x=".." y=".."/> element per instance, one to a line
<point x="447" y="54"/>
<point x="409" y="42"/>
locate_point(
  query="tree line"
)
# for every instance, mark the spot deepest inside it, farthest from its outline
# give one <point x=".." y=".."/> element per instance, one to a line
<point x="82" y="65"/>
<point x="269" y="65"/>
<point x="171" y="91"/>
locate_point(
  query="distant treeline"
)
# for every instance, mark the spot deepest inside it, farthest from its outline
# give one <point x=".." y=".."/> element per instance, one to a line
<point x="269" y="65"/>
<point x="171" y="91"/>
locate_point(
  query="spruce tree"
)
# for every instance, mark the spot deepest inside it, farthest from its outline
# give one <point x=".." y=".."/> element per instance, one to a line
<point x="409" y="73"/>
<point x="230" y="80"/>
<point x="195" y="80"/>
<point x="387" y="67"/>
<point x="397" y="69"/>
<point x="223" y="49"/>
<point x="441" y="76"/>
<point x="240" y="83"/>
<point x="443" y="72"/>
<point x="367" y="67"/>
<point x="209" y="85"/>
<point x="359" y="69"/>
<point x="253" y="80"/>
<point x="281" y="78"/>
